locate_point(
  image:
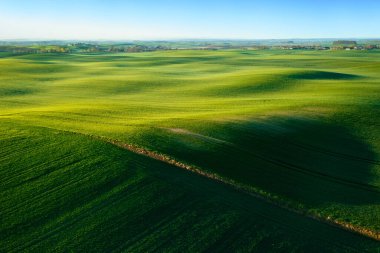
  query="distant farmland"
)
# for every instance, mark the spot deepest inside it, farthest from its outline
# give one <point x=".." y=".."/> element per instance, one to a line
<point x="183" y="151"/>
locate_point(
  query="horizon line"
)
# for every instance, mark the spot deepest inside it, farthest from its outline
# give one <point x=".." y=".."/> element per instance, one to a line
<point x="185" y="39"/>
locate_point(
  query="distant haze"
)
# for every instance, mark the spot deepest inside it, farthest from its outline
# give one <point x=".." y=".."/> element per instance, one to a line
<point x="197" y="19"/>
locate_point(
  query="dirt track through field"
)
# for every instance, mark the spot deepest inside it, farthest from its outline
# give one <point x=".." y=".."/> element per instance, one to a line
<point x="242" y="188"/>
<point x="248" y="190"/>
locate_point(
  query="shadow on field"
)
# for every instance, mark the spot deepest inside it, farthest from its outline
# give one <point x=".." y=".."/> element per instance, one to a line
<point x="303" y="160"/>
<point x="306" y="160"/>
<point x="10" y="92"/>
<point x="276" y="82"/>
<point x="323" y="75"/>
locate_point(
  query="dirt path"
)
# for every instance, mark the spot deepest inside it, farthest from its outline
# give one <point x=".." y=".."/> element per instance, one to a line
<point x="267" y="197"/>
<point x="248" y="190"/>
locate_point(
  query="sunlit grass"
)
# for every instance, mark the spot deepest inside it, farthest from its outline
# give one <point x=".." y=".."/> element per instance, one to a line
<point x="287" y="117"/>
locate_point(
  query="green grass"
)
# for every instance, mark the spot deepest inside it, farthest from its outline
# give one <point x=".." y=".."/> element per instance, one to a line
<point x="301" y="126"/>
<point x="63" y="192"/>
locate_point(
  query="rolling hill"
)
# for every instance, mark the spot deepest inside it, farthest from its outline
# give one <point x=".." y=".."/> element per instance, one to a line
<point x="297" y="129"/>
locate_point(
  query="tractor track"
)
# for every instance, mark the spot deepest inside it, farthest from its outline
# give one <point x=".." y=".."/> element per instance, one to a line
<point x="259" y="194"/>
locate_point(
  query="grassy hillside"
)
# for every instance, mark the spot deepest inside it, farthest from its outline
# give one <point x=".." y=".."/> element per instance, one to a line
<point x="301" y="126"/>
<point x="62" y="192"/>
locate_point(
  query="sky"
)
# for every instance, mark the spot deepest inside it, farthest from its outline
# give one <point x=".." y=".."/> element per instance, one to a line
<point x="185" y="19"/>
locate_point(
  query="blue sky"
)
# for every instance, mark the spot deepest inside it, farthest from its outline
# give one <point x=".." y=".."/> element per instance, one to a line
<point x="197" y="19"/>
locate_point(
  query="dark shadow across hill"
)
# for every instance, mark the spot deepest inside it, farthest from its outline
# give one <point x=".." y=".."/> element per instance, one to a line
<point x="303" y="160"/>
<point x="323" y="75"/>
<point x="276" y="83"/>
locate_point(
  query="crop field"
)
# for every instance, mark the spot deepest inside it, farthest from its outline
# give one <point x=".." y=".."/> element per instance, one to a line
<point x="298" y="131"/>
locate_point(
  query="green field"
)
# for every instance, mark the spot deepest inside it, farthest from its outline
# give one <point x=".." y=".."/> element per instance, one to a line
<point x="299" y="127"/>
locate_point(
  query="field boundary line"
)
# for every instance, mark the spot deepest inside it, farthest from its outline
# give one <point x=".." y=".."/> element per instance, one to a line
<point x="250" y="190"/>
<point x="288" y="205"/>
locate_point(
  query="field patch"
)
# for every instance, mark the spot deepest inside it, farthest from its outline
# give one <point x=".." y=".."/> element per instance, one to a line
<point x="72" y="192"/>
<point x="299" y="126"/>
